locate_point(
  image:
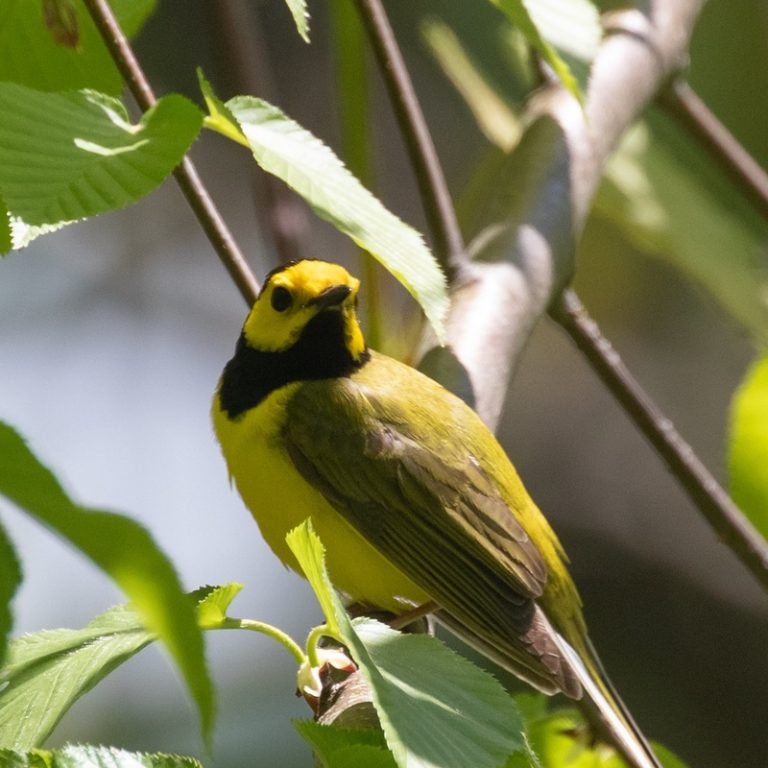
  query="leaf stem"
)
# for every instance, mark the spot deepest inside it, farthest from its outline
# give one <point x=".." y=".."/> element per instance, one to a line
<point x="702" y="488"/>
<point x="314" y="638"/>
<point x="433" y="188"/>
<point x="267" y="629"/>
<point x="683" y="103"/>
<point x="186" y="174"/>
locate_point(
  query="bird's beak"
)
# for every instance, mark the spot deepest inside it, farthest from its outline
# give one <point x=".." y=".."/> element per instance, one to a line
<point x="330" y="298"/>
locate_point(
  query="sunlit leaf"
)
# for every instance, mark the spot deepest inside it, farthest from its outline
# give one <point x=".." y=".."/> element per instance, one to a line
<point x="435" y="707"/>
<point x="282" y="147"/>
<point x="87" y="756"/>
<point x="32" y="56"/>
<point x="310" y="553"/>
<point x="748" y="446"/>
<point x="66" y="156"/>
<point x="572" y="26"/>
<point x="300" y="13"/>
<point x="520" y="13"/>
<point x="120" y="547"/>
<point x="48" y="671"/>
<point x="212" y="603"/>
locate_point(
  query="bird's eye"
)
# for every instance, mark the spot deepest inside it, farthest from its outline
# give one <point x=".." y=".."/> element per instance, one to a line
<point x="281" y="299"/>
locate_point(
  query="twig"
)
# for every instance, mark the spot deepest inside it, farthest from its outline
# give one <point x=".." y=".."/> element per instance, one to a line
<point x="704" y="491"/>
<point x="433" y="188"/>
<point x="682" y="102"/>
<point x="186" y="175"/>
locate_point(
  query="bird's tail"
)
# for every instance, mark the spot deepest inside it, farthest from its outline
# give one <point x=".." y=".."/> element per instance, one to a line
<point x="604" y="707"/>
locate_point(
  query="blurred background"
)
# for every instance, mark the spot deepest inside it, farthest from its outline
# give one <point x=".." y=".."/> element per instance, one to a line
<point x="115" y="331"/>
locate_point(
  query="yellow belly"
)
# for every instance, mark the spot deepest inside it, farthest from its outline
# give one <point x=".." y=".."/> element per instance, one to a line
<point x="280" y="499"/>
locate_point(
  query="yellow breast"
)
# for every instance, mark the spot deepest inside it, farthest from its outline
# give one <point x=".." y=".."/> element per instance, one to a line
<point x="280" y="499"/>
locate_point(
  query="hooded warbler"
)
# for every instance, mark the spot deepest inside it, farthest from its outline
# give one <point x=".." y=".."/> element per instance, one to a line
<point x="412" y="496"/>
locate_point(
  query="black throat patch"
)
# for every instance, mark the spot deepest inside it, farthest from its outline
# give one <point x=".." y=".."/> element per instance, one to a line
<point x="319" y="353"/>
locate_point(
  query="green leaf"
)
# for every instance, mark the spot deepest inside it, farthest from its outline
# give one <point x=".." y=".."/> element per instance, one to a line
<point x="360" y="755"/>
<point x="30" y="54"/>
<point x="748" y="446"/>
<point x="212" y="604"/>
<point x="436" y="708"/>
<point x="521" y="14"/>
<point x="124" y="550"/>
<point x="67" y="156"/>
<point x="298" y="9"/>
<point x="285" y="149"/>
<point x="88" y="756"/>
<point x="337" y="747"/>
<point x="48" y="671"/>
<point x="572" y="26"/>
<point x="10" y="578"/>
<point x="5" y="228"/>
<point x="310" y="553"/>
<point x="674" y="203"/>
<point x="561" y="739"/>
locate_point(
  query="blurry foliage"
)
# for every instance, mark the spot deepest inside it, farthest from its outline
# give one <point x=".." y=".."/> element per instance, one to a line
<point x="662" y="193"/>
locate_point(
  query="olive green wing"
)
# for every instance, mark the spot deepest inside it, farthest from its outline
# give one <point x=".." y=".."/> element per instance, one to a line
<point x="433" y="511"/>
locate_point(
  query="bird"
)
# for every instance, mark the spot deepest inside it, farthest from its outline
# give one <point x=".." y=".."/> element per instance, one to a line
<point x="413" y="497"/>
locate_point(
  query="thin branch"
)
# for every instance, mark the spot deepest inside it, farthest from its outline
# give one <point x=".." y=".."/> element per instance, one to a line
<point x="433" y="188"/>
<point x="682" y="102"/>
<point x="704" y="491"/>
<point x="186" y="175"/>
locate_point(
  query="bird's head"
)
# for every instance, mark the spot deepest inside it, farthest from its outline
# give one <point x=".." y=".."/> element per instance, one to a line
<point x="306" y="298"/>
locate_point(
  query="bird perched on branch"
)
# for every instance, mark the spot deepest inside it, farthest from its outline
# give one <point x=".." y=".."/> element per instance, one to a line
<point x="412" y="496"/>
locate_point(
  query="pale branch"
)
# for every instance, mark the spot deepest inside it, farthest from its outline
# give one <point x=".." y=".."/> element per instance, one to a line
<point x="186" y="174"/>
<point x="733" y="529"/>
<point x="436" y="199"/>
<point x="682" y="103"/>
<point x="529" y="237"/>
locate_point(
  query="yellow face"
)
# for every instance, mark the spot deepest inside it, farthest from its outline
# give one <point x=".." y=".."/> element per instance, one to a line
<point x="296" y="294"/>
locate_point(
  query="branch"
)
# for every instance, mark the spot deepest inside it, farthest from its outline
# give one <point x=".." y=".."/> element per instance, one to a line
<point x="529" y="237"/>
<point x="723" y="515"/>
<point x="433" y="188"/>
<point x="186" y="174"/>
<point x="681" y="101"/>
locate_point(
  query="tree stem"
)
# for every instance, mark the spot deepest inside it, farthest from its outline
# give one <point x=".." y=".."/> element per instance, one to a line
<point x="186" y="174"/>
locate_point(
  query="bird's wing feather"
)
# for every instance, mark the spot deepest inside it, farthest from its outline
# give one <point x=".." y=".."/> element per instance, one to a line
<point x="433" y="511"/>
